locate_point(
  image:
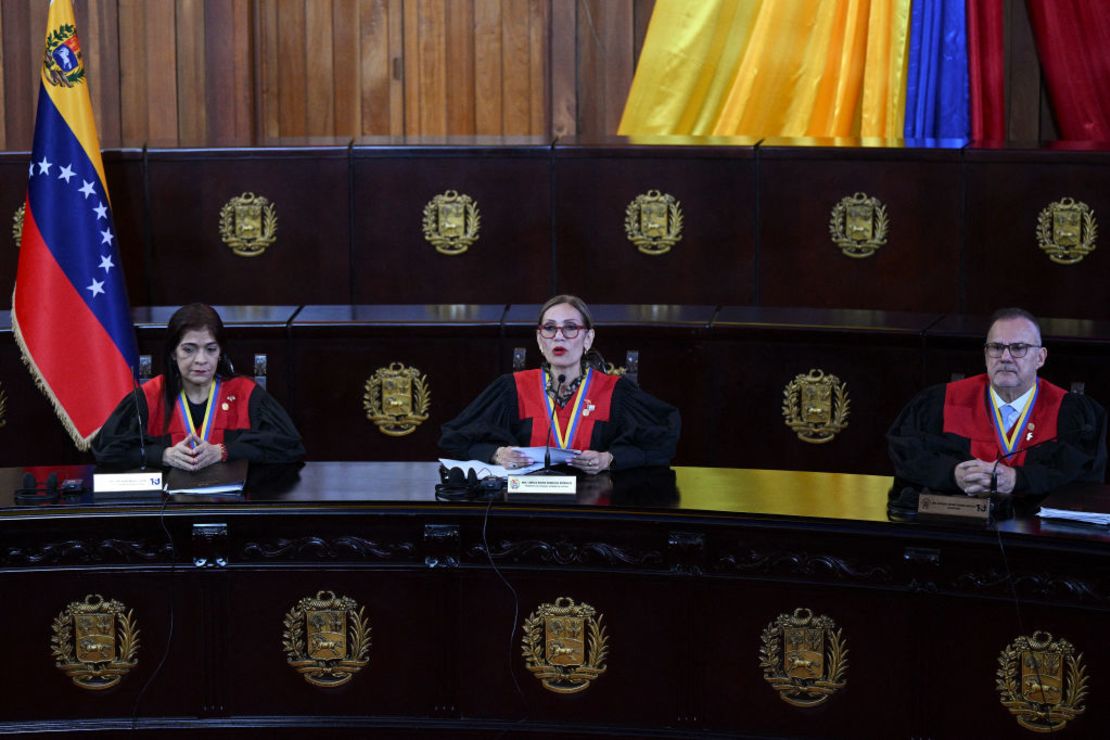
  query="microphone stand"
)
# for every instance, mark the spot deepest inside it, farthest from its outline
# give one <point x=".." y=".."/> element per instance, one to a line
<point x="139" y="416"/>
<point x="547" y="469"/>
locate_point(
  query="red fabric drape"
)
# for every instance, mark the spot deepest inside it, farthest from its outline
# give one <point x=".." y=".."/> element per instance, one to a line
<point x="1073" y="39"/>
<point x="986" y="69"/>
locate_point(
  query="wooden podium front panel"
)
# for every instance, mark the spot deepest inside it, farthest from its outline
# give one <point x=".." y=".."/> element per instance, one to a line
<point x="509" y="183"/>
<point x="753" y="355"/>
<point x="308" y="261"/>
<point x="337" y="350"/>
<point x="1007" y="189"/>
<point x="597" y="180"/>
<point x="669" y="341"/>
<point x="918" y="268"/>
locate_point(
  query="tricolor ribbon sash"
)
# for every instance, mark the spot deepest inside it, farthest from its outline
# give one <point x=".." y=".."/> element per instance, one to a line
<point x="1008" y="440"/>
<point x="209" y="411"/>
<point x="561" y="438"/>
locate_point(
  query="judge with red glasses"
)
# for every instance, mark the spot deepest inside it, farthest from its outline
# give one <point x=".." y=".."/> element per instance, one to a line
<point x="569" y="402"/>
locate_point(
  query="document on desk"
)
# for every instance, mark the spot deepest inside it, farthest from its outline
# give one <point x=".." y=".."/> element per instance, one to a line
<point x="1076" y="505"/>
<point x="221" y="477"/>
<point x="535" y="454"/>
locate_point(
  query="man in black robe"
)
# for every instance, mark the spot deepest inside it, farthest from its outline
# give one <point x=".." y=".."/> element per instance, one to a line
<point x="1005" y="431"/>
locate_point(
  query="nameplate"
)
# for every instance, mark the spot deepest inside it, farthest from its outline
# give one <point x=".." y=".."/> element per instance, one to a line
<point x="551" y="484"/>
<point x="962" y="507"/>
<point x="150" y="480"/>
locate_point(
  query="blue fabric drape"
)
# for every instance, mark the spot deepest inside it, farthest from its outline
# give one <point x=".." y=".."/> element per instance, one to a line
<point x="937" y="87"/>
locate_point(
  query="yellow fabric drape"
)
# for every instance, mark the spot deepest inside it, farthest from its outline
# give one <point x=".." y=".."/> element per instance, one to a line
<point x="765" y="68"/>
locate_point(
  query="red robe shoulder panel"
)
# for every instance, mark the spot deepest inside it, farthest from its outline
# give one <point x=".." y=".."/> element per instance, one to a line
<point x="968" y="413"/>
<point x="596" y="404"/>
<point x="232" y="409"/>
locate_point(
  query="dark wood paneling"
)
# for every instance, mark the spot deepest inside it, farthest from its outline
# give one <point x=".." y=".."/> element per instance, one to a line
<point x="1006" y="191"/>
<point x="800" y="265"/>
<point x="753" y="355"/>
<point x="336" y="350"/>
<point x="595" y="181"/>
<point x="13" y="193"/>
<point x="687" y="593"/>
<point x="125" y="170"/>
<point x="511" y="261"/>
<point x="308" y="263"/>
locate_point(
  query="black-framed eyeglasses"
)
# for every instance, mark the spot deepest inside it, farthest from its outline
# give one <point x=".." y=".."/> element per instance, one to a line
<point x="570" y="330"/>
<point x="1017" y="349"/>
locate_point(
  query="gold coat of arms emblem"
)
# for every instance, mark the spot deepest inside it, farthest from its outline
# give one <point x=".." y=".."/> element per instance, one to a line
<point x="565" y="646"/>
<point x="653" y="222"/>
<point x="816" y="406"/>
<point x="326" y="639"/>
<point x="858" y="225"/>
<point x="1042" y="682"/>
<point x="95" y="642"/>
<point x="17" y="225"/>
<point x="451" y="222"/>
<point x="396" y="398"/>
<point x="1067" y="231"/>
<point x="804" y="657"/>
<point x="248" y="224"/>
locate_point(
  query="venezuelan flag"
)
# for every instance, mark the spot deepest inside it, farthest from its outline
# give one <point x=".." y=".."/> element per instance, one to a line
<point x="888" y="69"/>
<point x="69" y="309"/>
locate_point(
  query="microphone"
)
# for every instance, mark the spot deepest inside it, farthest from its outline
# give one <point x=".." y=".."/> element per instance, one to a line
<point x="139" y="416"/>
<point x="1084" y="428"/>
<point x="551" y="424"/>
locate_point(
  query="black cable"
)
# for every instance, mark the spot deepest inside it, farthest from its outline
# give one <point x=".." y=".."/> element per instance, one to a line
<point x="1020" y="619"/>
<point x="516" y="604"/>
<point x="169" y="636"/>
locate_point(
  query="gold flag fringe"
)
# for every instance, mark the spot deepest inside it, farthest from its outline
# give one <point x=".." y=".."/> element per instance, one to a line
<point x="82" y="443"/>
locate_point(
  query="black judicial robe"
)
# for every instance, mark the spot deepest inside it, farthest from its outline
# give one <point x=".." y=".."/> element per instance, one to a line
<point x="924" y="454"/>
<point x="640" y="429"/>
<point x="247" y="420"/>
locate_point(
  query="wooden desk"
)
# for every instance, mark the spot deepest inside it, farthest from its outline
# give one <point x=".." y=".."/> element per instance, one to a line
<point x="686" y="574"/>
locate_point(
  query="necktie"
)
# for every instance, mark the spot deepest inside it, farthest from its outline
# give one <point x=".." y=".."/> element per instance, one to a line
<point x="1009" y="416"/>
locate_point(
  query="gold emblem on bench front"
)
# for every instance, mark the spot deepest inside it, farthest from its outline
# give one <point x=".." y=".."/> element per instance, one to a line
<point x="396" y="398"/>
<point x="248" y="224"/>
<point x="326" y="639"/>
<point x="815" y="406"/>
<point x="804" y="658"/>
<point x="1067" y="231"/>
<point x="653" y="222"/>
<point x="17" y="225"/>
<point x="451" y="222"/>
<point x="858" y="225"/>
<point x="95" y="642"/>
<point x="1042" y="682"/>
<point x="565" y="646"/>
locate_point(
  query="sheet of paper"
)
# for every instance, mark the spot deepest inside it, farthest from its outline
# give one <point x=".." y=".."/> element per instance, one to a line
<point x="536" y="454"/>
<point x="1075" y="516"/>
